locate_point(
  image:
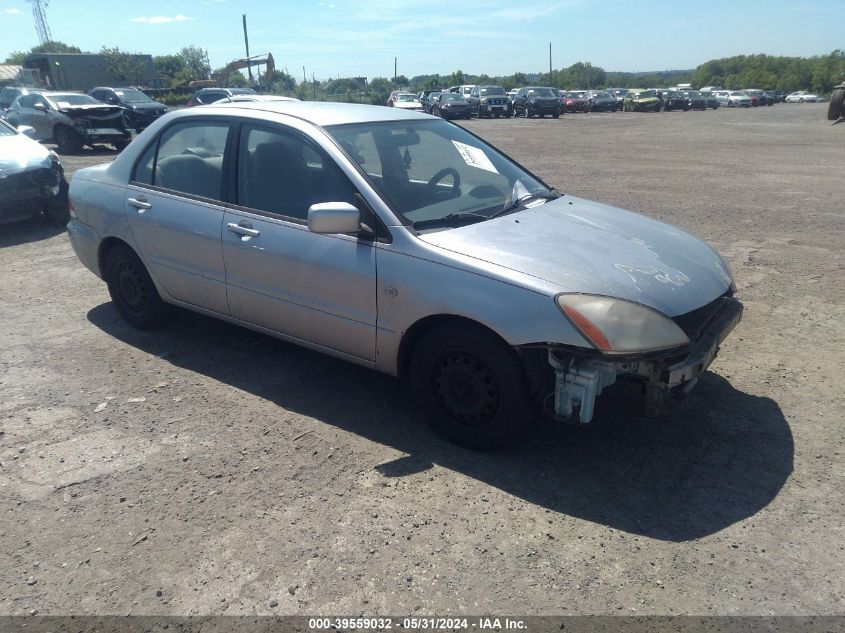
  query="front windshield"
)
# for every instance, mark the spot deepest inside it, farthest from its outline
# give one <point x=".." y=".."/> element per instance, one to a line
<point x="645" y="94"/>
<point x="602" y="95"/>
<point x="491" y="91"/>
<point x="693" y="93"/>
<point x="432" y="171"/>
<point x="541" y="92"/>
<point x="71" y="99"/>
<point x="132" y="96"/>
<point x="407" y="98"/>
<point x="451" y="97"/>
<point x="573" y="95"/>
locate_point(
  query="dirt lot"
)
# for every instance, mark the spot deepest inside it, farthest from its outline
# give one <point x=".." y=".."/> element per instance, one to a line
<point x="206" y="469"/>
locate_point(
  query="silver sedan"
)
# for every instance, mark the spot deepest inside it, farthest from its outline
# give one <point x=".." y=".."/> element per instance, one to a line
<point x="406" y="244"/>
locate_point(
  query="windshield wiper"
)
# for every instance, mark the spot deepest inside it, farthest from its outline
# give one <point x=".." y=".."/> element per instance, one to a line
<point x="551" y="194"/>
<point x="453" y="219"/>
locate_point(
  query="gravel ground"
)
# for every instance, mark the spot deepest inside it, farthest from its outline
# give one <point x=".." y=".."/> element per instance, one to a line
<point x="205" y="469"/>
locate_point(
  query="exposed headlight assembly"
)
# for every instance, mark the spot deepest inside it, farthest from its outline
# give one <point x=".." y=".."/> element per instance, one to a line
<point x="616" y="326"/>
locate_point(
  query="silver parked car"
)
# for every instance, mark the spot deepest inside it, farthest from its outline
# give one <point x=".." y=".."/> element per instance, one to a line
<point x="70" y="119"/>
<point x="406" y="244"/>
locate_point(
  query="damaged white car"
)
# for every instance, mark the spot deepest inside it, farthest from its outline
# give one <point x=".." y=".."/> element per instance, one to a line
<point x="406" y="244"/>
<point x="70" y="120"/>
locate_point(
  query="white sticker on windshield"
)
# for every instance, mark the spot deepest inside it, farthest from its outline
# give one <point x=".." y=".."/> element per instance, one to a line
<point x="119" y="93"/>
<point x="475" y="157"/>
<point x="63" y="104"/>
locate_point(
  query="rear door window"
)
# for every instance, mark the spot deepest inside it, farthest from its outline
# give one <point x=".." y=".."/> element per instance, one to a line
<point x="188" y="158"/>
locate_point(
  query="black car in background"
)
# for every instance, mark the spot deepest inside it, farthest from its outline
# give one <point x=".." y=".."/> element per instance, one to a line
<point x="537" y="100"/>
<point x="759" y="97"/>
<point x="140" y="111"/>
<point x="695" y="99"/>
<point x="212" y="95"/>
<point x="487" y="101"/>
<point x="710" y="98"/>
<point x="426" y="97"/>
<point x="672" y="100"/>
<point x="428" y="100"/>
<point x="619" y="95"/>
<point x="601" y="101"/>
<point x="450" y="105"/>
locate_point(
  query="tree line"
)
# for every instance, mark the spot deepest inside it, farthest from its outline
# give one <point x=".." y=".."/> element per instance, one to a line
<point x="767" y="72"/>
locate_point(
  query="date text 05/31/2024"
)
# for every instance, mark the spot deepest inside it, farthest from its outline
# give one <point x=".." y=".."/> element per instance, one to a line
<point x="417" y="623"/>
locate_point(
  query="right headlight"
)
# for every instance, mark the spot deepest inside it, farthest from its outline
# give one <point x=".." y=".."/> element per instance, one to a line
<point x="617" y="326"/>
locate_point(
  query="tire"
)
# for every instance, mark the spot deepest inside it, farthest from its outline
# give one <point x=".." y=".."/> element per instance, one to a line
<point x="556" y="115"/>
<point x="68" y="139"/>
<point x="132" y="290"/>
<point x="471" y="387"/>
<point x="57" y="207"/>
<point x="836" y="108"/>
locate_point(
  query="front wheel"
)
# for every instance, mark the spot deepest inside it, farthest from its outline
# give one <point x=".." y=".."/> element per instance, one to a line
<point x="471" y="386"/>
<point x="132" y="289"/>
<point x="68" y="139"/>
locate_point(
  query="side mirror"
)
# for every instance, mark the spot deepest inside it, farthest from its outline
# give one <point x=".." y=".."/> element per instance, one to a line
<point x="334" y="217"/>
<point x="27" y="130"/>
<point x="39" y="106"/>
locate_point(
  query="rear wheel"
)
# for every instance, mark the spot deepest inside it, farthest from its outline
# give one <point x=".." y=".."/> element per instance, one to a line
<point x="132" y="289"/>
<point x="471" y="386"/>
<point x="68" y="139"/>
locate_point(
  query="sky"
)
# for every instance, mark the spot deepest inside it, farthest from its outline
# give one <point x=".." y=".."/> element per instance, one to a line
<point x="345" y="38"/>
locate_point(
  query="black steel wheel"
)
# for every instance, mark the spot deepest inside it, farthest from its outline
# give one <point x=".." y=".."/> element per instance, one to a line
<point x="132" y="290"/>
<point x="471" y="386"/>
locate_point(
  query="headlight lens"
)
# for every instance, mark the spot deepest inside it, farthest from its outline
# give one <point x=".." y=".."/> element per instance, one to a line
<point x="617" y="326"/>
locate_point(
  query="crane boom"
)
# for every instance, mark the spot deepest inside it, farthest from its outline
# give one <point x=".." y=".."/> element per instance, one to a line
<point x="40" y="15"/>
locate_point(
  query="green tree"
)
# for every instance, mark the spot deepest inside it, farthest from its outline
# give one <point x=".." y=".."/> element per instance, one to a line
<point x="125" y="68"/>
<point x="17" y="57"/>
<point x="196" y="61"/>
<point x="457" y="78"/>
<point x="170" y="70"/>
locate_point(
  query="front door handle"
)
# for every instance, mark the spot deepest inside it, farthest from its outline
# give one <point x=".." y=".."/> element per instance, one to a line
<point x="244" y="228"/>
<point x="139" y="203"/>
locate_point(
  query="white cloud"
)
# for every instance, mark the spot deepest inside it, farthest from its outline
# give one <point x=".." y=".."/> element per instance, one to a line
<point x="12" y="11"/>
<point x="161" y="19"/>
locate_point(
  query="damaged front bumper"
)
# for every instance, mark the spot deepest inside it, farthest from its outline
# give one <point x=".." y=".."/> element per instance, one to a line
<point x="579" y="378"/>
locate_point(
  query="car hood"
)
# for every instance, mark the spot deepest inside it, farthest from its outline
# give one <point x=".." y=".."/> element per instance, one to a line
<point x="19" y="153"/>
<point x="588" y="247"/>
<point x="146" y="107"/>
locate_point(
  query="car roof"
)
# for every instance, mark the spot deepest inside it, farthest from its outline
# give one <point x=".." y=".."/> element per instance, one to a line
<point x="319" y="112"/>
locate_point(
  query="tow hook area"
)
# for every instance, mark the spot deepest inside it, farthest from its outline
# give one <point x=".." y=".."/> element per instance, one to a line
<point x="577" y="384"/>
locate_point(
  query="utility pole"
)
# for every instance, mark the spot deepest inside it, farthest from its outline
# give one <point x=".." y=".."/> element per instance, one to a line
<point x="394" y="73"/>
<point x="314" y="81"/>
<point x="246" y="42"/>
<point x="550" y="63"/>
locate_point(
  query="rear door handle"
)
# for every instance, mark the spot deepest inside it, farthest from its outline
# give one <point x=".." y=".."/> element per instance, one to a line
<point x="140" y="203"/>
<point x="244" y="228"/>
